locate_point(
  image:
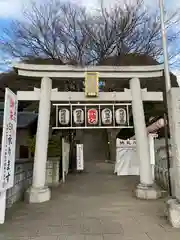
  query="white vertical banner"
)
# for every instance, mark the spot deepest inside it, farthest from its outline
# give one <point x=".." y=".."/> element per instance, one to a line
<point x="65" y="159"/>
<point x="152" y="151"/>
<point x="66" y="145"/>
<point x="8" y="147"/>
<point x="79" y="157"/>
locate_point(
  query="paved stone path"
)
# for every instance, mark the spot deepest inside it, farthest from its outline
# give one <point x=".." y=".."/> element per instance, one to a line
<point x="95" y="205"/>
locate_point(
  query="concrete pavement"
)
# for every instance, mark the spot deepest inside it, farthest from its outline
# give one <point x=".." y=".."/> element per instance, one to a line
<point x="95" y="205"/>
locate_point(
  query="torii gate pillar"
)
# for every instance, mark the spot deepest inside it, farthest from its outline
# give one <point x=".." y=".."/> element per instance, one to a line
<point x="39" y="192"/>
<point x="146" y="188"/>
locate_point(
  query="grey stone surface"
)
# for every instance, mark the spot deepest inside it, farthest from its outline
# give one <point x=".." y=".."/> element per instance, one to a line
<point x="22" y="180"/>
<point x="161" y="169"/>
<point x="173" y="212"/>
<point x="37" y="195"/>
<point x="148" y="192"/>
<point x="95" y="205"/>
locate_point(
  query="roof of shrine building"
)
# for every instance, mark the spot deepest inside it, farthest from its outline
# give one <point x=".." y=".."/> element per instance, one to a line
<point x="25" y="119"/>
<point x="16" y="82"/>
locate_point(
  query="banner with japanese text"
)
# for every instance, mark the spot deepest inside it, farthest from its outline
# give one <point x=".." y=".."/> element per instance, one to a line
<point x="79" y="157"/>
<point x="8" y="145"/>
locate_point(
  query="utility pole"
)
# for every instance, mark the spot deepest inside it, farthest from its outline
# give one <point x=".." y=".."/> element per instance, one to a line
<point x="164" y="43"/>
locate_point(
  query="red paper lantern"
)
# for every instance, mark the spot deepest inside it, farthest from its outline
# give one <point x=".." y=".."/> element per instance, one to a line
<point x="92" y="116"/>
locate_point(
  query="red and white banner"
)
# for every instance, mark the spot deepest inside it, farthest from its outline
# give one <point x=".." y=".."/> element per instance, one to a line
<point x="8" y="147"/>
<point x="8" y="140"/>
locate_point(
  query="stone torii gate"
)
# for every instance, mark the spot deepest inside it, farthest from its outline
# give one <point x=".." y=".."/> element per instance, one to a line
<point x="38" y="192"/>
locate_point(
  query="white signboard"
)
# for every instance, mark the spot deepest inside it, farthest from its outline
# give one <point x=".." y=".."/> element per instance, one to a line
<point x="79" y="157"/>
<point x="8" y="145"/>
<point x="125" y="143"/>
<point x="2" y="206"/>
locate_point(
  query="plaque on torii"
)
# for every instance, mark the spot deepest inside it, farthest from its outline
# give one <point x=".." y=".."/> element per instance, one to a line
<point x="91" y="84"/>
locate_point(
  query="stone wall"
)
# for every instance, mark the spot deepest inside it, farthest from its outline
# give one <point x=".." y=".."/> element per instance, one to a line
<point x="22" y="180"/>
<point x="161" y="169"/>
<point x="22" y="139"/>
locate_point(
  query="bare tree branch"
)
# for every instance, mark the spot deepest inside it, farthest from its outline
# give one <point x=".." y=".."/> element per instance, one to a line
<point x="70" y="33"/>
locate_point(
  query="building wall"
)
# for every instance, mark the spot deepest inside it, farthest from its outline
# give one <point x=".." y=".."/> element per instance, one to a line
<point x="22" y="139"/>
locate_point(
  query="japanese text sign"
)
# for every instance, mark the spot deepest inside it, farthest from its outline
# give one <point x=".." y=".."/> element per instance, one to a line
<point x="8" y="141"/>
<point x="91" y="84"/>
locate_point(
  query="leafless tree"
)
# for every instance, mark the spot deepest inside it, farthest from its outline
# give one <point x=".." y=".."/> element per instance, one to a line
<point x="71" y="33"/>
<point x="132" y="29"/>
<point x="51" y="30"/>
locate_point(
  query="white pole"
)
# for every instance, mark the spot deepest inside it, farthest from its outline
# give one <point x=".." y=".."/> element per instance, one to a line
<point x="164" y="43"/>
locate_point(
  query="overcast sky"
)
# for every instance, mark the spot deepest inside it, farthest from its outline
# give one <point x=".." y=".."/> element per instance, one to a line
<point x="12" y="8"/>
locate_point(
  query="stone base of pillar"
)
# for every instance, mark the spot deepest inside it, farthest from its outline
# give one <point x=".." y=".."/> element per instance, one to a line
<point x="37" y="195"/>
<point x="173" y="212"/>
<point x="148" y="192"/>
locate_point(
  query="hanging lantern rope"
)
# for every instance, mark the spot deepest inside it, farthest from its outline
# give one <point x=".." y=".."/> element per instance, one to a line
<point x="114" y="102"/>
<point x="69" y="98"/>
<point x="114" y="97"/>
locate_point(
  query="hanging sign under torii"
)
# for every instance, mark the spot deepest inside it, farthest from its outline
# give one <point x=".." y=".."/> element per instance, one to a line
<point x="91" y="84"/>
